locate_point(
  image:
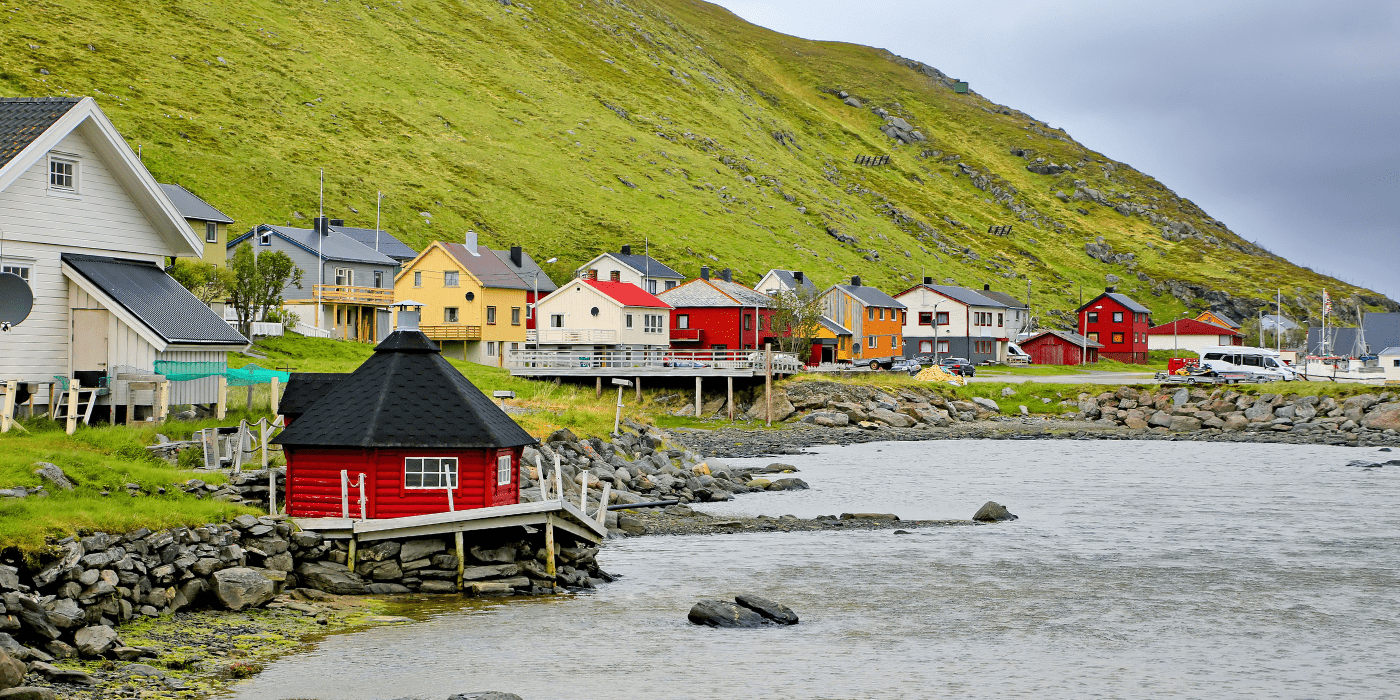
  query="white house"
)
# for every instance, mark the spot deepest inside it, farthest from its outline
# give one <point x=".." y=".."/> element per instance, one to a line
<point x="1389" y="360"/>
<point x="954" y="322"/>
<point x="642" y="270"/>
<point x="775" y="281"/>
<point x="87" y="226"/>
<point x="603" y="316"/>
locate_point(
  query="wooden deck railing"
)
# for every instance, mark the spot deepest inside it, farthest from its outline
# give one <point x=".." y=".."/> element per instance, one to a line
<point x="783" y="363"/>
<point x="345" y="294"/>
<point x="452" y="332"/>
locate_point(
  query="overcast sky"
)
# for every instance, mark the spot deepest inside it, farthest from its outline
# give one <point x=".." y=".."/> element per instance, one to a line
<point x="1281" y="119"/>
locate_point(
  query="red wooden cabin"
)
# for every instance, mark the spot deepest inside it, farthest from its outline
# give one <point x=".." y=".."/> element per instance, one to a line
<point x="414" y="427"/>
<point x="1059" y="348"/>
<point x="717" y="314"/>
<point x="1119" y="324"/>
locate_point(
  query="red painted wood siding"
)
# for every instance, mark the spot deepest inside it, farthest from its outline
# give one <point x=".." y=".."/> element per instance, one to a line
<point x="1054" y="350"/>
<point x="1133" y="327"/>
<point x="722" y="326"/>
<point x="313" y="482"/>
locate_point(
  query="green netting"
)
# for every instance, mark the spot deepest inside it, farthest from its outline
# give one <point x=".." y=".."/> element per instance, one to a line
<point x="248" y="375"/>
<point x="242" y="376"/>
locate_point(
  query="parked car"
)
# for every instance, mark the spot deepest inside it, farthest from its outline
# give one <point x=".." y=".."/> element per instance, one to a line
<point x="907" y="364"/>
<point x="683" y="363"/>
<point x="959" y="366"/>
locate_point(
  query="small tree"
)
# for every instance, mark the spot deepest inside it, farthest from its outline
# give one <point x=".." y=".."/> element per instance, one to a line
<point x="257" y="283"/>
<point x="796" y="317"/>
<point x="207" y="281"/>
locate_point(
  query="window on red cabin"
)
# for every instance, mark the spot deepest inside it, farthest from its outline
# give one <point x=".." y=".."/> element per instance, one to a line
<point x="1093" y="317"/>
<point x="748" y="322"/>
<point x="503" y="470"/>
<point x="1118" y="337"/>
<point x="1117" y="316"/>
<point x="926" y="318"/>
<point x="430" y="472"/>
<point x="942" y="319"/>
<point x="683" y="321"/>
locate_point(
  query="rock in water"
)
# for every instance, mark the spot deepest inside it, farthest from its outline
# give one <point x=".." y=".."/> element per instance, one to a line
<point x="793" y="484"/>
<point x="95" y="640"/>
<point x="11" y="671"/>
<point x="486" y="695"/>
<point x="241" y="588"/>
<point x="772" y="610"/>
<point x="993" y="512"/>
<point x="722" y="613"/>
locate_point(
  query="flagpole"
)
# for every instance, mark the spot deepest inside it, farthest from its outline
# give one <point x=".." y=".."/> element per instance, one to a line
<point x="378" y="198"/>
<point x="320" y="259"/>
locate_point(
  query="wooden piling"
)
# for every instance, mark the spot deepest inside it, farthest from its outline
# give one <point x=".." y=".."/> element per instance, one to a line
<point x="461" y="557"/>
<point x="249" y="407"/>
<point x="768" y="382"/>
<point x="221" y="410"/>
<point x="72" y="408"/>
<point x="639" y="389"/>
<point x="598" y="392"/>
<point x="699" y="405"/>
<point x="729" y="397"/>
<point x="272" y="399"/>
<point x="549" y="547"/>
<point x="162" y="407"/>
<point x="350" y="558"/>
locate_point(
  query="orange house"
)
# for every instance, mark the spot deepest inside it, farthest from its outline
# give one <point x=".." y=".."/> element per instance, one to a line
<point x="875" y="319"/>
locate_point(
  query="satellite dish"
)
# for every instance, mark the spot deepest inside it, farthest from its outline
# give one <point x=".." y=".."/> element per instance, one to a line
<point x="593" y="311"/>
<point x="471" y="296"/>
<point x="16" y="300"/>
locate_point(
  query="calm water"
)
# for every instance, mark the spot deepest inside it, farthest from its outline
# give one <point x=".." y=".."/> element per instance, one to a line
<point x="1137" y="570"/>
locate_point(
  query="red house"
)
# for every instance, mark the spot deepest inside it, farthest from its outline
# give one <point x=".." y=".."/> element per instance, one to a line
<point x="1060" y="348"/>
<point x="717" y="314"/>
<point x="1119" y="324"/>
<point x="413" y="427"/>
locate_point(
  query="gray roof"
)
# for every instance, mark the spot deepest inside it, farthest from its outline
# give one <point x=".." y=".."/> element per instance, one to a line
<point x="388" y="245"/>
<point x="833" y="326"/>
<point x="1270" y="320"/>
<point x="1382" y="329"/>
<point x="1389" y="352"/>
<point x="713" y="292"/>
<point x="1006" y="299"/>
<point x="870" y="296"/>
<point x="23" y="119"/>
<point x="333" y="246"/>
<point x="789" y="280"/>
<point x="640" y="264"/>
<point x="156" y="299"/>
<point x="529" y="271"/>
<point x="1070" y="336"/>
<point x="971" y="297"/>
<point x="486" y="267"/>
<point x="1123" y="299"/>
<point x="192" y="207"/>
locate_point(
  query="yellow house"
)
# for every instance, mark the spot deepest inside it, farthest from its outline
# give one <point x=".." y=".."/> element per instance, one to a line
<point x="832" y="344"/>
<point x="210" y="224"/>
<point x="474" y="305"/>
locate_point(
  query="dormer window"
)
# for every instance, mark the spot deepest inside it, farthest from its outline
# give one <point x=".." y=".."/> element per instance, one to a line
<point x="265" y="238"/>
<point x="63" y="174"/>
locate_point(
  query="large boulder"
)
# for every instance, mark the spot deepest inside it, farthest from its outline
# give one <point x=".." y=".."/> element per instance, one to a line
<point x="1160" y="419"/>
<point x="1260" y="411"/>
<point x="890" y="418"/>
<point x="723" y="613"/>
<point x="986" y="404"/>
<point x="1235" y="422"/>
<point x="1383" y="417"/>
<point x="53" y="474"/>
<point x="241" y="588"/>
<point x="772" y="610"/>
<point x="782" y="408"/>
<point x="95" y="640"/>
<point x="11" y="671"/>
<point x="1184" y="424"/>
<point x="72" y="553"/>
<point x="27" y="692"/>
<point x="790" y="484"/>
<point x="414" y="550"/>
<point x="992" y="512"/>
<point x="331" y="578"/>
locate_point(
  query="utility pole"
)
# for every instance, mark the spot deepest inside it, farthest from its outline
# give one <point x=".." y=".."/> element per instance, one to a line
<point x="1084" y="329"/>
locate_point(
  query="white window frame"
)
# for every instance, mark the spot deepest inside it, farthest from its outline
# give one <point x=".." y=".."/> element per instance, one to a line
<point x="503" y="470"/>
<point x="451" y="278"/>
<point x="74" y="176"/>
<point x="490" y="348"/>
<point x="440" y="468"/>
<point x="417" y="279"/>
<point x="942" y="346"/>
<point x="629" y="320"/>
<point x="556" y="320"/>
<point x="211" y="232"/>
<point x="378" y="279"/>
<point x="265" y="238"/>
<point x="670" y="284"/>
<point x="22" y="268"/>
<point x="515" y="315"/>
<point x="682" y="321"/>
<point x="344" y="277"/>
<point x="651" y="286"/>
<point x="450" y="315"/>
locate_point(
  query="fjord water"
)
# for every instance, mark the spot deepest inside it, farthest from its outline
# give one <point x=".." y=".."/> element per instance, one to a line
<point x="1137" y="569"/>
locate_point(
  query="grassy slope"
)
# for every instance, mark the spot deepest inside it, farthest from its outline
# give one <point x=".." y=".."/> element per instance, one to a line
<point x="498" y="118"/>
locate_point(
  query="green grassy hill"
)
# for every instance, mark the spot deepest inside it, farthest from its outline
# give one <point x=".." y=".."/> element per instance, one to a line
<point x="572" y="128"/>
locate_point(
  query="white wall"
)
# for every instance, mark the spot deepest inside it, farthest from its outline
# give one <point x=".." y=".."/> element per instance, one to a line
<point x="1183" y="341"/>
<point x="576" y="300"/>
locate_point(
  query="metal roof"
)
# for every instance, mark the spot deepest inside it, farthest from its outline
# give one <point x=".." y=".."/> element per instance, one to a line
<point x="833" y="326"/>
<point x="1389" y="352"/>
<point x="529" y="271"/>
<point x="627" y="294"/>
<point x="870" y="296"/>
<point x="1382" y="329"/>
<point x="388" y="245"/>
<point x="333" y="246"/>
<point x="1228" y="321"/>
<point x="1191" y="326"/>
<point x="1123" y="299"/>
<point x="1006" y="299"/>
<point x="405" y="395"/>
<point x="304" y="389"/>
<point x="192" y="207"/>
<point x="1271" y="320"/>
<point x="486" y="267"/>
<point x="640" y="264"/>
<point x="963" y="295"/>
<point x="789" y="280"/>
<point x="23" y="119"/>
<point x="1069" y="336"/>
<point x="155" y="298"/>
<point x="715" y="293"/>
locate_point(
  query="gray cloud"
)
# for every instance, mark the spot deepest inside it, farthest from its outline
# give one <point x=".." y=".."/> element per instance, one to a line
<point x="1276" y="117"/>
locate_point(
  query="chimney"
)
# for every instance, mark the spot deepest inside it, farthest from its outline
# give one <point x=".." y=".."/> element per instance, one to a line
<point x="408" y="318"/>
<point x="470" y="243"/>
<point x="321" y="225"/>
<point x="1108" y="290"/>
<point x="517" y="256"/>
<point x="704" y="272"/>
<point x="986" y="287"/>
<point x="615" y="276"/>
<point x="337" y="222"/>
<point x="627" y="250"/>
<point x="928" y="280"/>
<point x="855" y="281"/>
<point x="798" y="277"/>
<point x="726" y="275"/>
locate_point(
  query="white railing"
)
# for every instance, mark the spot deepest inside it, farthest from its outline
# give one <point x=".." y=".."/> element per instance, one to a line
<point x="263" y="328"/>
<point x="312" y="331"/>
<point x="570" y="336"/>
<point x="678" y="360"/>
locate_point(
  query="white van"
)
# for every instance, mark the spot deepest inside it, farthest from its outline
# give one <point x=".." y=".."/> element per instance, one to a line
<point x="1015" y="356"/>
<point x="1237" y="358"/>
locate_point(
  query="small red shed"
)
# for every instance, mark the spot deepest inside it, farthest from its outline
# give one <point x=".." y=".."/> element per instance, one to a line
<point x="414" y="427"/>
<point x="1059" y="348"/>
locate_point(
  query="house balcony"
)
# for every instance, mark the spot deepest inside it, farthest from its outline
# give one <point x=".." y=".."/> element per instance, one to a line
<point x="686" y="335"/>
<point x="451" y="332"/>
<point x="568" y="336"/>
<point x="346" y="294"/>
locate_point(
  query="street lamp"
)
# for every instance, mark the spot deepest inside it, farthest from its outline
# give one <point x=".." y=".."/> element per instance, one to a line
<point x="617" y="419"/>
<point x="935" y="330"/>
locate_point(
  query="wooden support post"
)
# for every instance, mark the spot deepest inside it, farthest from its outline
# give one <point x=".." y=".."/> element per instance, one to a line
<point x="549" y="569"/>
<point x="130" y="402"/>
<point x="273" y="400"/>
<point x="238" y="440"/>
<point x="598" y="392"/>
<point x="221" y="409"/>
<point x="583" y="491"/>
<point x="72" y="407"/>
<point x="271" y="487"/>
<point x="558" y="479"/>
<point x="603" y="503"/>
<point x="729" y="397"/>
<point x="363" y="510"/>
<point x="249" y="408"/>
<point x="8" y="411"/>
<point x="344" y="494"/>
<point x="768" y="382"/>
<point x="262" y="440"/>
<point x="350" y="558"/>
<point x="639" y="390"/>
<point x="461" y="557"/>
<point x="698" y="403"/>
<point x="162" y="406"/>
<point x="53" y="407"/>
